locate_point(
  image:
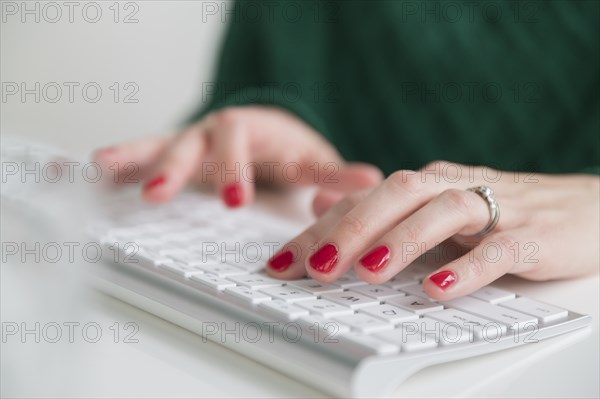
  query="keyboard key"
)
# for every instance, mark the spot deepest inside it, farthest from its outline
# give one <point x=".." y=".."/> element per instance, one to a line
<point x="512" y="319"/>
<point x="493" y="295"/>
<point x="149" y="244"/>
<point x="325" y="308"/>
<point x="481" y="328"/>
<point x="415" y="289"/>
<point x="378" y="292"/>
<point x="415" y="304"/>
<point x="283" y="310"/>
<point x="314" y="286"/>
<point x="348" y="281"/>
<point x="323" y="329"/>
<point x="443" y="333"/>
<point x="189" y="258"/>
<point x="364" y="323"/>
<point x="370" y="344"/>
<point x="351" y="299"/>
<point x="180" y="269"/>
<point x="408" y="276"/>
<point x="389" y="313"/>
<point x="288" y="294"/>
<point x="408" y="338"/>
<point x="415" y="272"/>
<point x="247" y="295"/>
<point x="167" y="250"/>
<point x="150" y="258"/>
<point x="546" y="313"/>
<point x="399" y="282"/>
<point x="249" y="267"/>
<point x="255" y="281"/>
<point x="222" y="269"/>
<point x="212" y="281"/>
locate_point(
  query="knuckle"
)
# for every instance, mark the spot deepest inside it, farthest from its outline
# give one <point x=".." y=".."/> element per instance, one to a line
<point x="405" y="181"/>
<point x="458" y="200"/>
<point x="437" y="165"/>
<point x="410" y="234"/>
<point x="492" y="256"/>
<point x="353" y="224"/>
<point x="498" y="251"/>
<point x="506" y="245"/>
<point x="476" y="266"/>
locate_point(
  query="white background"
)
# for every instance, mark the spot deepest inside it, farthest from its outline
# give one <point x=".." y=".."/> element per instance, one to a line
<point x="167" y="54"/>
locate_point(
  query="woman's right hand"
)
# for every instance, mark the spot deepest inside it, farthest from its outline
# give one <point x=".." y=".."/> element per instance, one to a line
<point x="233" y="149"/>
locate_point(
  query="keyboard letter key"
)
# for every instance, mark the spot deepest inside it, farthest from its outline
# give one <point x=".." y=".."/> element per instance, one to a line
<point x="514" y="320"/>
<point x="545" y="313"/>
<point x="493" y="295"/>
<point x="415" y="304"/>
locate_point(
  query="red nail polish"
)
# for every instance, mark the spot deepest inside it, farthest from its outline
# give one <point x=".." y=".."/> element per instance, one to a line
<point x="325" y="259"/>
<point x="282" y="261"/>
<point x="157" y="181"/>
<point x="232" y="195"/>
<point x="443" y="279"/>
<point x="376" y="259"/>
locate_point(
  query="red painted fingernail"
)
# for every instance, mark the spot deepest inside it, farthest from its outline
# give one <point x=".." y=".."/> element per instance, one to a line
<point x="157" y="181"/>
<point x="443" y="279"/>
<point x="282" y="261"/>
<point x="376" y="259"/>
<point x="232" y="195"/>
<point x="325" y="259"/>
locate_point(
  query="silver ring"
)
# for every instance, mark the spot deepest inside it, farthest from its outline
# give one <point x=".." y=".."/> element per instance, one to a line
<point x="488" y="195"/>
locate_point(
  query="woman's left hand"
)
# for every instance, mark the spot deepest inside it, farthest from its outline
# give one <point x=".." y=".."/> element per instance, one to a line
<point x="548" y="229"/>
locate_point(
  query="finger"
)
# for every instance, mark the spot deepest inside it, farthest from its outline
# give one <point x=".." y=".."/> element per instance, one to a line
<point x="324" y="200"/>
<point x="236" y="179"/>
<point x="392" y="201"/>
<point x="351" y="177"/>
<point x="177" y="165"/>
<point x="127" y="162"/>
<point x="491" y="259"/>
<point x="348" y="177"/>
<point x="289" y="261"/>
<point x="452" y="212"/>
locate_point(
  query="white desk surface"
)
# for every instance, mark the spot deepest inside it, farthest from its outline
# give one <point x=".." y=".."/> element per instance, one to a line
<point x="169" y="361"/>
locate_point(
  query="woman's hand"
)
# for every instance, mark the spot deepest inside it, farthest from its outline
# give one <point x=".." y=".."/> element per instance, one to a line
<point x="548" y="229"/>
<point x="233" y="149"/>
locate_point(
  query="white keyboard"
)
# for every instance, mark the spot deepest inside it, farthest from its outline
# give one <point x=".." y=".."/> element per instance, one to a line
<point x="201" y="266"/>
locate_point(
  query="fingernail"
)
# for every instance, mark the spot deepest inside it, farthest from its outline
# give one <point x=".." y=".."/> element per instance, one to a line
<point x="157" y="181"/>
<point x="376" y="259"/>
<point x="443" y="279"/>
<point x="325" y="259"/>
<point x="282" y="261"/>
<point x="232" y="195"/>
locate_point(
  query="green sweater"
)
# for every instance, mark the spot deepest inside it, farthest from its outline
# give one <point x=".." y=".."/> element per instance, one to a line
<point x="511" y="85"/>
